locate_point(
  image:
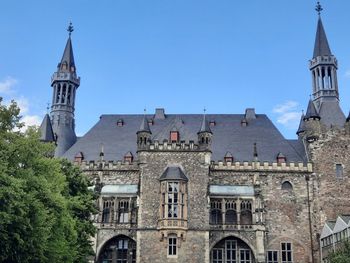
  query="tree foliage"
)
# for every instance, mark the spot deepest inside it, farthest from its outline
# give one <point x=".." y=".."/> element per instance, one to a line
<point x="341" y="255"/>
<point x="45" y="204"/>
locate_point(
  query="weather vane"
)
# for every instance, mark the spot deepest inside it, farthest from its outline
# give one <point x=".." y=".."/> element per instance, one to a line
<point x="70" y="28"/>
<point x="318" y="8"/>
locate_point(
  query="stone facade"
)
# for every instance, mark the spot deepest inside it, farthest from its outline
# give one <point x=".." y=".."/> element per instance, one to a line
<point x="167" y="197"/>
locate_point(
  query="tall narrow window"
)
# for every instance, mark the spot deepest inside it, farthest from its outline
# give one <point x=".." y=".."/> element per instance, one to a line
<point x="339" y="170"/>
<point x="272" y="257"/>
<point x="107" y="215"/>
<point x="173" y="198"/>
<point x="124" y="211"/>
<point x="246" y="212"/>
<point x="231" y="248"/>
<point x="172" y="245"/>
<point x="215" y="212"/>
<point x="286" y="252"/>
<point x="231" y="212"/>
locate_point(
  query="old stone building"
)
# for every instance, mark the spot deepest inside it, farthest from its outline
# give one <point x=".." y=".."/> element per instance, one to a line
<point x="210" y="187"/>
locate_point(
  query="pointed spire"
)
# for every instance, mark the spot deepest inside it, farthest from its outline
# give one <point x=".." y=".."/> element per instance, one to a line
<point x="321" y="43"/>
<point x="205" y="125"/>
<point x="311" y="112"/>
<point x="144" y="127"/>
<point x="301" y="127"/>
<point x="68" y="57"/>
<point x="46" y="130"/>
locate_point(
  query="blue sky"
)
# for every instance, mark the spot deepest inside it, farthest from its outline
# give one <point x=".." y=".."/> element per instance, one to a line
<point x="182" y="55"/>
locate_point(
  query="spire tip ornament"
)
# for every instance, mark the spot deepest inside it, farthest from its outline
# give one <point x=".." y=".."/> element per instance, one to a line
<point x="70" y="28"/>
<point x="318" y="8"/>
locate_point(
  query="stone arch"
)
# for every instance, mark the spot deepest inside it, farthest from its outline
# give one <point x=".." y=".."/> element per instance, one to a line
<point x="106" y="241"/>
<point x="242" y="238"/>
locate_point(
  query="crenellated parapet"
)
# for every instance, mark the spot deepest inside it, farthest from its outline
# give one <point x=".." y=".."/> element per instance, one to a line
<point x="171" y="146"/>
<point x="108" y="166"/>
<point x="262" y="166"/>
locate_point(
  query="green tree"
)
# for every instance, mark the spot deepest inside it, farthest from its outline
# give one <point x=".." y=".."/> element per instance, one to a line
<point x="341" y="255"/>
<point x="45" y="204"/>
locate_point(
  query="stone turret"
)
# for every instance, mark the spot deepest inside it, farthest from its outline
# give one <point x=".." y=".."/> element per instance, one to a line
<point x="65" y="83"/>
<point x="143" y="134"/>
<point x="204" y="134"/>
<point x="312" y="125"/>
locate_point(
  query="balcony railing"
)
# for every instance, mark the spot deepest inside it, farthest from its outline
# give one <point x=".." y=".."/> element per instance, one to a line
<point x="172" y="224"/>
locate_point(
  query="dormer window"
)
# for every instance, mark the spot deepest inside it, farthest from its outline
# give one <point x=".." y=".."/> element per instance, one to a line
<point x="120" y="123"/>
<point x="244" y="122"/>
<point x="212" y="123"/>
<point x="79" y="157"/>
<point x="281" y="158"/>
<point x="128" y="157"/>
<point x="174" y="136"/>
<point x="228" y="157"/>
<point x="150" y="122"/>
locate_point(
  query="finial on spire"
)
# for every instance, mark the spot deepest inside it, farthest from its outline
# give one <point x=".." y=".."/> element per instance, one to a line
<point x="204" y="110"/>
<point x="48" y="108"/>
<point x="70" y="28"/>
<point x="318" y="8"/>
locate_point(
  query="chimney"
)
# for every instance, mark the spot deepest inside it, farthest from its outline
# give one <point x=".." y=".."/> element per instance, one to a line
<point x="160" y="114"/>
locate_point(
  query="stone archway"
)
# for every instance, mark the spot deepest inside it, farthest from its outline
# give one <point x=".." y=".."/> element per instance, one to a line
<point x="231" y="250"/>
<point x="119" y="249"/>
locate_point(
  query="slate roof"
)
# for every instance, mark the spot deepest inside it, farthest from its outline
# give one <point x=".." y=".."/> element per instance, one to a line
<point x="46" y="130"/>
<point x="321" y="43"/>
<point x="205" y="126"/>
<point x="173" y="173"/>
<point x="311" y="111"/>
<point x="331" y="113"/>
<point x="228" y="135"/>
<point x="301" y="125"/>
<point x="68" y="54"/>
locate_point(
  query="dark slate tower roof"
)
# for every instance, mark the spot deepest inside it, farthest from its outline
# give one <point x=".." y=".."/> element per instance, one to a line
<point x="311" y="111"/>
<point x="301" y="127"/>
<point x="67" y="56"/>
<point x="173" y="173"/>
<point x="46" y="130"/>
<point x="228" y="135"/>
<point x="321" y="43"/>
<point x="144" y="127"/>
<point x="205" y="126"/>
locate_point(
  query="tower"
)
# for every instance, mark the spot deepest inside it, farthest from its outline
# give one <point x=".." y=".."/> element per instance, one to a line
<point x="143" y="134"/>
<point x="323" y="67"/>
<point x="65" y="83"/>
<point x="204" y="134"/>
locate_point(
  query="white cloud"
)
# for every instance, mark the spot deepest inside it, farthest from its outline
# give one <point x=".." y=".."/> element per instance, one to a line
<point x="23" y="104"/>
<point x="285" y="107"/>
<point x="288" y="114"/>
<point x="8" y="92"/>
<point x="30" y="120"/>
<point x="6" y="85"/>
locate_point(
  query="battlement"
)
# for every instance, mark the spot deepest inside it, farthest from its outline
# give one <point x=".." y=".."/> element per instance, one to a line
<point x="108" y="165"/>
<point x="262" y="166"/>
<point x="171" y="146"/>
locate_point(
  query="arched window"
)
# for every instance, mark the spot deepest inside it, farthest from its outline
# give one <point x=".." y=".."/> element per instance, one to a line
<point x="215" y="212"/>
<point x="231" y="212"/>
<point x="287" y="186"/>
<point x="121" y="249"/>
<point x="246" y="212"/>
